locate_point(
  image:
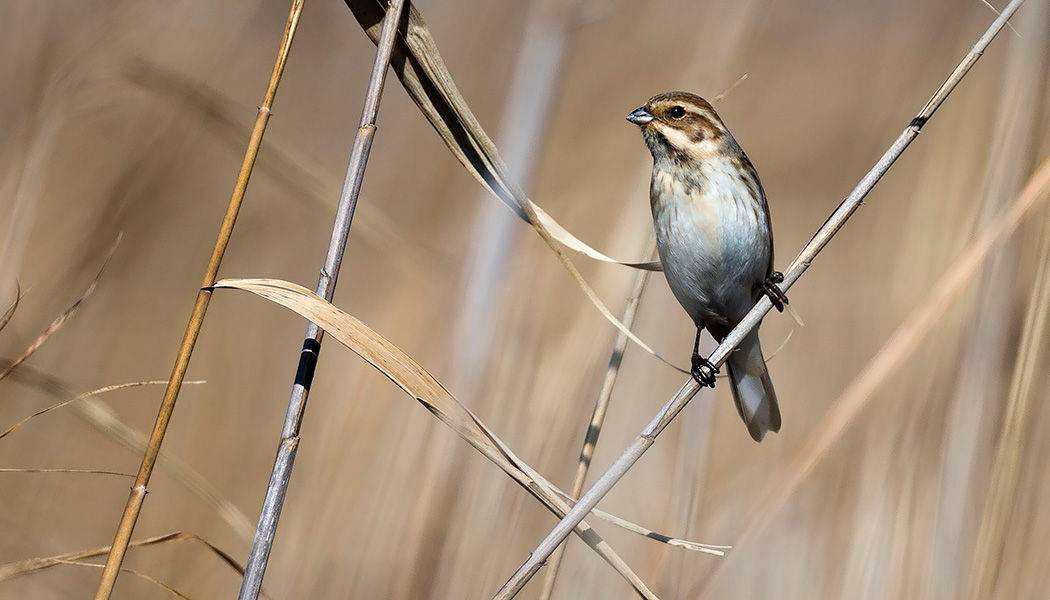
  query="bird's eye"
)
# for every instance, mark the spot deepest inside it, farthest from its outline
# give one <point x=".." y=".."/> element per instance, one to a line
<point x="677" y="112"/>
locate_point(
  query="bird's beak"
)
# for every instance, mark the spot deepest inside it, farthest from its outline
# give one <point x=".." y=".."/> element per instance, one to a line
<point x="640" y="117"/>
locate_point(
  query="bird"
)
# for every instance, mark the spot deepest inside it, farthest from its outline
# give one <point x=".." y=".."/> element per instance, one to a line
<point x="715" y="240"/>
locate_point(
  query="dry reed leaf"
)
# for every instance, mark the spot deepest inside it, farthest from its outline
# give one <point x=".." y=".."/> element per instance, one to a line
<point x="65" y="316"/>
<point x="138" y="574"/>
<point x="33" y="565"/>
<point x="423" y="73"/>
<point x="97" y="414"/>
<point x="904" y="340"/>
<point x="84" y="471"/>
<point x="108" y="388"/>
<point x="713" y="549"/>
<point x="421" y="385"/>
<point x="408" y="375"/>
<point x="14" y="306"/>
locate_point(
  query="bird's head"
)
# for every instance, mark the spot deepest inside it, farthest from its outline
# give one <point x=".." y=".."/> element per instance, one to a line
<point x="682" y="128"/>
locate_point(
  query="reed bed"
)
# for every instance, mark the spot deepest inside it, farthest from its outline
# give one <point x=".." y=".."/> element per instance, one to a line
<point x="133" y="119"/>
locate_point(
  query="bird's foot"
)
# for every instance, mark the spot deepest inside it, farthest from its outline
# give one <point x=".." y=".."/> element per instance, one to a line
<point x="773" y="291"/>
<point x="705" y="378"/>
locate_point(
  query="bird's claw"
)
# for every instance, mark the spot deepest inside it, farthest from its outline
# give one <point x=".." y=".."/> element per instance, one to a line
<point x="705" y="378"/>
<point x="773" y="291"/>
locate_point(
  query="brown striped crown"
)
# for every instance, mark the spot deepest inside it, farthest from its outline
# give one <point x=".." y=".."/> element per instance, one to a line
<point x="683" y="127"/>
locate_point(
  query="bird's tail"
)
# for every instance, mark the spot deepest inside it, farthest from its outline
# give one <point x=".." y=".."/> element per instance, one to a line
<point x="752" y="389"/>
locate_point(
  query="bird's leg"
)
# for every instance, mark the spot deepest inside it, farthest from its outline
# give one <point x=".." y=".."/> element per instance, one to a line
<point x="699" y="363"/>
<point x="773" y="291"/>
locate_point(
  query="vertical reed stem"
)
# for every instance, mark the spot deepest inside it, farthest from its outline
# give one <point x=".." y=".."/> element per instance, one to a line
<point x="171" y="393"/>
<point x="270" y="513"/>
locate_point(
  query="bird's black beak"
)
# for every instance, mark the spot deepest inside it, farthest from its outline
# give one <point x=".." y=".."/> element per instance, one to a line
<point x="640" y="117"/>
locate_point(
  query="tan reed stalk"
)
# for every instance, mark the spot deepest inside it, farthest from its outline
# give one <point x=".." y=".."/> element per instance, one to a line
<point x="171" y="393"/>
<point x="1002" y="488"/>
<point x="601" y="407"/>
<point x="897" y="348"/>
<point x="280" y="476"/>
<point x="835" y="222"/>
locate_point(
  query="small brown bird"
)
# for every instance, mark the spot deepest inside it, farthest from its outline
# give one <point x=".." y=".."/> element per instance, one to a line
<point x="714" y="238"/>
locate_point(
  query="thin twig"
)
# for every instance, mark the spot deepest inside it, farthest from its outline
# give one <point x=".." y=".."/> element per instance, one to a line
<point x="139" y="574"/>
<point x="1008" y="24"/>
<point x="97" y="414"/>
<point x="34" y="565"/>
<point x="730" y="89"/>
<point x="61" y="319"/>
<point x="149" y="459"/>
<point x="14" y="306"/>
<point x="108" y="388"/>
<point x="601" y="405"/>
<point x="81" y="471"/>
<point x="270" y="513"/>
<point x="802" y="262"/>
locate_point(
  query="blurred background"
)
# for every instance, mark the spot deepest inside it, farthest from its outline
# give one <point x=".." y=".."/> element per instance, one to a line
<point x="132" y="117"/>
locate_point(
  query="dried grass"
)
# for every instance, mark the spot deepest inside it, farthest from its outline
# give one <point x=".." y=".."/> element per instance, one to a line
<point x="383" y="504"/>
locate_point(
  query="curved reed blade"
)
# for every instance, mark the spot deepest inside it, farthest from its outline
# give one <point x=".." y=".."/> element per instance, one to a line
<point x="414" y="380"/>
<point x="423" y="73"/>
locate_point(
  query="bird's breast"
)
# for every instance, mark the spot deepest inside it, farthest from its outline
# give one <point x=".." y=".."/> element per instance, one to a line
<point x="713" y="239"/>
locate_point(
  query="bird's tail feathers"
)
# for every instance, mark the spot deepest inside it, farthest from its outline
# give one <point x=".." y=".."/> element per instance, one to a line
<point x="752" y="388"/>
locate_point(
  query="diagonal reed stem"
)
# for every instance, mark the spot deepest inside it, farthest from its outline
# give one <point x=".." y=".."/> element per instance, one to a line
<point x="898" y="347"/>
<point x="601" y="407"/>
<point x="270" y="513"/>
<point x="802" y="262"/>
<point x="171" y="393"/>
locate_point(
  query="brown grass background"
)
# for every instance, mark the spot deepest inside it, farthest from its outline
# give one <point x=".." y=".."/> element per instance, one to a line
<point x="385" y="501"/>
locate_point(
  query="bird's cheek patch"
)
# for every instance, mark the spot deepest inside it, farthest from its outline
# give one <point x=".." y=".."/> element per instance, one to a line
<point x="676" y="138"/>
